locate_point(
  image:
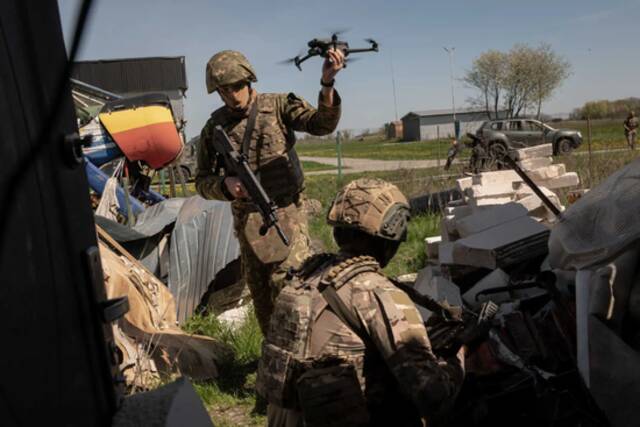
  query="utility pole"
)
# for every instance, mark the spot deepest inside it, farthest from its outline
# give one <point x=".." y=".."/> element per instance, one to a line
<point x="450" y="51"/>
<point x="393" y="82"/>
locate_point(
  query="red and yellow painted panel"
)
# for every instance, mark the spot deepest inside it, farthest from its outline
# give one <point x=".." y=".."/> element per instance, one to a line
<point x="145" y="133"/>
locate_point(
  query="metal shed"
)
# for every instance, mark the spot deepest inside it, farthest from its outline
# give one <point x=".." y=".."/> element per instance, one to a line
<point x="431" y="124"/>
<point x="138" y="76"/>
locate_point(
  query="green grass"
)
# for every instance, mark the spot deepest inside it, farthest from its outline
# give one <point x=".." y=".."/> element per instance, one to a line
<point x="376" y="149"/>
<point x="315" y="166"/>
<point x="231" y="399"/>
<point x="606" y="134"/>
<point x="411" y="255"/>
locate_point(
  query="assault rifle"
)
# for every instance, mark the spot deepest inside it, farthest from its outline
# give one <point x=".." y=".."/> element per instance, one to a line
<point x="237" y="164"/>
<point x="449" y="327"/>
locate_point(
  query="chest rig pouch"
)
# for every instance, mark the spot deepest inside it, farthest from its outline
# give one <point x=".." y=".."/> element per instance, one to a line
<point x="276" y="164"/>
<point x="325" y="389"/>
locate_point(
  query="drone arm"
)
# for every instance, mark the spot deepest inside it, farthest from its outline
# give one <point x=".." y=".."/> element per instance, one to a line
<point x="304" y="58"/>
<point x="360" y="50"/>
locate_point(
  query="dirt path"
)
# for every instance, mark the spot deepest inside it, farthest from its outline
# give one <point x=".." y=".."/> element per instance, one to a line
<point x="353" y="165"/>
<point x="367" y="165"/>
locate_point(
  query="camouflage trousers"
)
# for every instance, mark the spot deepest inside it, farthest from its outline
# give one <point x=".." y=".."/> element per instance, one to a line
<point x="631" y="139"/>
<point x="266" y="280"/>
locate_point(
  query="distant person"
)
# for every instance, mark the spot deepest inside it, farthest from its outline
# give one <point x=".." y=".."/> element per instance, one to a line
<point x="630" y="129"/>
<point x="452" y="153"/>
<point x="263" y="126"/>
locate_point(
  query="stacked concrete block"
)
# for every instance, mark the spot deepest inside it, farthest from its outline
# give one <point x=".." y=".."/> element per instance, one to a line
<point x="499" y="224"/>
<point x="486" y="190"/>
<point x="489" y="218"/>
<point x="537" y="151"/>
<point x="535" y="163"/>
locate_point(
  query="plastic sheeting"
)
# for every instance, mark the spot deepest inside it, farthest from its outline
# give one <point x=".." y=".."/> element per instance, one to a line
<point x="202" y="244"/>
<point x="601" y="224"/>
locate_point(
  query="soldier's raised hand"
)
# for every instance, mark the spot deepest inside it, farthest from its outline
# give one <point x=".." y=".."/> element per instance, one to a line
<point x="333" y="63"/>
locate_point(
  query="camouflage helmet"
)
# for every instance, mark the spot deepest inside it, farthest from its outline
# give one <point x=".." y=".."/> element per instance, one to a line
<point x="373" y="206"/>
<point x="228" y="67"/>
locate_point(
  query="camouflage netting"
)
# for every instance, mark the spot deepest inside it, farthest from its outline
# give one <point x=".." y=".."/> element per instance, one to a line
<point x="599" y="225"/>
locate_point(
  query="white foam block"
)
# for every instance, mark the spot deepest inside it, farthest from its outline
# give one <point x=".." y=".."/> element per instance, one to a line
<point x="481" y="249"/>
<point x="490" y="190"/>
<point x="431" y="246"/>
<point x="495" y="177"/>
<point x="547" y="172"/>
<point x="535" y="163"/>
<point x="477" y="204"/>
<point x="569" y="179"/>
<point x="543" y="150"/>
<point x="489" y="217"/>
<point x="464" y="183"/>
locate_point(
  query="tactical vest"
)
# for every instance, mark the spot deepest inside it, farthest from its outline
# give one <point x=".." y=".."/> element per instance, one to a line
<point x="325" y="389"/>
<point x="272" y="153"/>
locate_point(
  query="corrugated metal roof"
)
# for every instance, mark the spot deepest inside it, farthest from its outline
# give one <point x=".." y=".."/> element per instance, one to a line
<point x="202" y="244"/>
<point x="133" y="74"/>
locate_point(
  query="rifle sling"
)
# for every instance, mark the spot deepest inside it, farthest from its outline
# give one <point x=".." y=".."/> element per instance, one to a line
<point x="345" y="315"/>
<point x="251" y="123"/>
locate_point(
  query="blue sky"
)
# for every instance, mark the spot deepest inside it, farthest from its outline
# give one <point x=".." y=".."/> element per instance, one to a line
<point x="599" y="38"/>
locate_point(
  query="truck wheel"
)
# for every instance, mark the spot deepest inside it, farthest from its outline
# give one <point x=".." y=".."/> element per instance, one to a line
<point x="186" y="173"/>
<point x="497" y="151"/>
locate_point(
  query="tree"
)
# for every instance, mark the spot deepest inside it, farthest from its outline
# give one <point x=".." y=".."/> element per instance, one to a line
<point x="516" y="80"/>
<point x="487" y="75"/>
<point x="551" y="70"/>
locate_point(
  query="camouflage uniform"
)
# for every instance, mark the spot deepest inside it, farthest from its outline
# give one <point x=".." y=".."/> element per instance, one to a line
<point x="273" y="158"/>
<point x="398" y="380"/>
<point x="630" y="130"/>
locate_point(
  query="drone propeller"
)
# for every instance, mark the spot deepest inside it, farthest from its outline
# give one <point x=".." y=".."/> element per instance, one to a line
<point x="338" y="31"/>
<point x="292" y="60"/>
<point x="287" y="61"/>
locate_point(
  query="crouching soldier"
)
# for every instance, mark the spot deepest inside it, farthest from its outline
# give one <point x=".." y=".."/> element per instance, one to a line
<point x="345" y="346"/>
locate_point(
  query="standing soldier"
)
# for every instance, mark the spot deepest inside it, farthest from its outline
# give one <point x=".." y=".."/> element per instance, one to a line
<point x="262" y="125"/>
<point x="630" y="129"/>
<point x="346" y="347"/>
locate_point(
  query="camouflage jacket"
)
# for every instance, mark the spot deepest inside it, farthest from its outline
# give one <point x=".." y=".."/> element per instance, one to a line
<point x="401" y="378"/>
<point x="272" y="139"/>
<point x="631" y="124"/>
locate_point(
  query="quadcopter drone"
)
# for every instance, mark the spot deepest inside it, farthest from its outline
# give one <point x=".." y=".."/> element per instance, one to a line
<point x="320" y="47"/>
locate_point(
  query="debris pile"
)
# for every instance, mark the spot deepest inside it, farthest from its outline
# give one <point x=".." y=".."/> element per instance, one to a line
<point x="494" y="247"/>
<point x="149" y="341"/>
